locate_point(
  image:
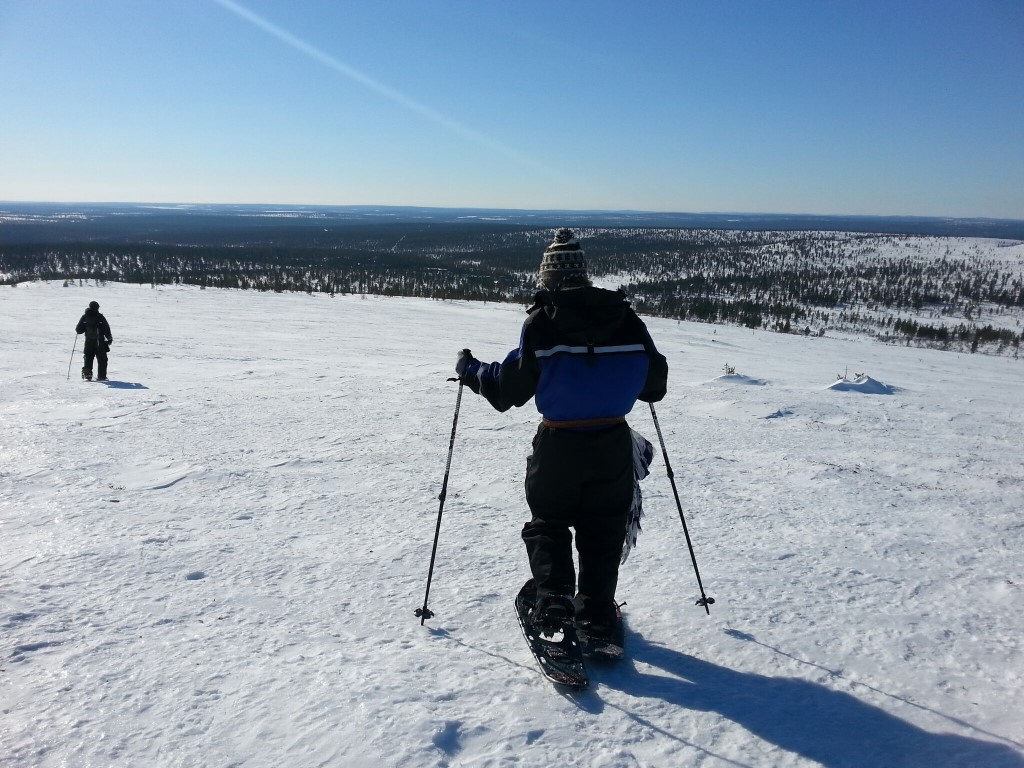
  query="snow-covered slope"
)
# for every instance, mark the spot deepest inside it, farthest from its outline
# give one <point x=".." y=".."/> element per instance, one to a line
<point x="215" y="558"/>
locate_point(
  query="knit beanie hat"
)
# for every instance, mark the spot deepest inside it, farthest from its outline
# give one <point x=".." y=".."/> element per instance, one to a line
<point x="564" y="263"/>
<point x="94" y="305"/>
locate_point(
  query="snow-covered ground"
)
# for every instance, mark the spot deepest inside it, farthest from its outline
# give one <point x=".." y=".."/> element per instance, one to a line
<point x="214" y="559"/>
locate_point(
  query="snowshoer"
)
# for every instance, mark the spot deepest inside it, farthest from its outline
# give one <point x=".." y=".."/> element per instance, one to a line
<point x="586" y="358"/>
<point x="97" y="341"/>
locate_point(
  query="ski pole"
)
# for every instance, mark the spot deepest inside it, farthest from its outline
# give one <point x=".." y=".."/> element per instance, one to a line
<point x="425" y="613"/>
<point x="704" y="599"/>
<point x="72" y="356"/>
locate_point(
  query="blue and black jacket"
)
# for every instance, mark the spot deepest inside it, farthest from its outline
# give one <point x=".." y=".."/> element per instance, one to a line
<point x="583" y="354"/>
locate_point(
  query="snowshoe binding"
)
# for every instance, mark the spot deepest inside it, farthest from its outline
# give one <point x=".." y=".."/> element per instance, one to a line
<point x="603" y="640"/>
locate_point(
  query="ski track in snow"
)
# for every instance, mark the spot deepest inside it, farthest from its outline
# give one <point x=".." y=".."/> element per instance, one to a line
<point x="214" y="559"/>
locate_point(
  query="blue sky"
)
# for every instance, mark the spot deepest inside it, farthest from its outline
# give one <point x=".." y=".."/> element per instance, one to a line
<point x="859" y="107"/>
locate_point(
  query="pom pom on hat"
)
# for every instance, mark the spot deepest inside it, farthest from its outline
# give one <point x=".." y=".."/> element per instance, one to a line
<point x="564" y="263"/>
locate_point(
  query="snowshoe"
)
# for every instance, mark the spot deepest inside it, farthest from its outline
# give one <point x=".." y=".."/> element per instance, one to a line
<point x="558" y="654"/>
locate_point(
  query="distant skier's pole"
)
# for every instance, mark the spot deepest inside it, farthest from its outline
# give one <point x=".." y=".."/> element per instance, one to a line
<point x="72" y="356"/>
<point x="425" y="613"/>
<point x="704" y="599"/>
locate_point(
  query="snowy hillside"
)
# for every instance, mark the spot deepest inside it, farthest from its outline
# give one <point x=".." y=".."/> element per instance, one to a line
<point x="214" y="559"/>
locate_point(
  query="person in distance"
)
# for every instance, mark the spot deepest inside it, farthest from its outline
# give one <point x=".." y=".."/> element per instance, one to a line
<point x="97" y="341"/>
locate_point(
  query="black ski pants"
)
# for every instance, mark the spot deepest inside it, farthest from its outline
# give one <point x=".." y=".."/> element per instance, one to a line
<point x="94" y="348"/>
<point x="582" y="480"/>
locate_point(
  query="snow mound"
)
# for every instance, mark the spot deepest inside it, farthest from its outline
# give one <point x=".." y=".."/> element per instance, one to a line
<point x="864" y="384"/>
<point x="737" y="378"/>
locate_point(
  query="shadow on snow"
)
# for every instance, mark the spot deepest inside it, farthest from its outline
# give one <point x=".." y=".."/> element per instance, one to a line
<point x="830" y="727"/>
<point x="124" y="385"/>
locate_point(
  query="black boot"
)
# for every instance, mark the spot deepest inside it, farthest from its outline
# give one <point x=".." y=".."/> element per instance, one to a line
<point x="87" y="374"/>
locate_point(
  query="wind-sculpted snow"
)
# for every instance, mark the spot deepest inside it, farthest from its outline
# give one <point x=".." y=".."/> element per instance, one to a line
<point x="215" y="558"/>
<point x="864" y="384"/>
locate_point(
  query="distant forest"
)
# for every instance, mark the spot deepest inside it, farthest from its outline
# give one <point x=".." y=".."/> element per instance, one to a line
<point x="943" y="292"/>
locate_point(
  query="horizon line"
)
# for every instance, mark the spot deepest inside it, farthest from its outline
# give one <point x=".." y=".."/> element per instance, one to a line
<point x="576" y="211"/>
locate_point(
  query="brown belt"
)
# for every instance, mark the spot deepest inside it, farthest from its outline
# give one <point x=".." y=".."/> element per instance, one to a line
<point x="607" y="421"/>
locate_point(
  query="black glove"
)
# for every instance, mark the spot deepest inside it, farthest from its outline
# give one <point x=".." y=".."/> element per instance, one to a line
<point x="109" y="342"/>
<point x="466" y="366"/>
